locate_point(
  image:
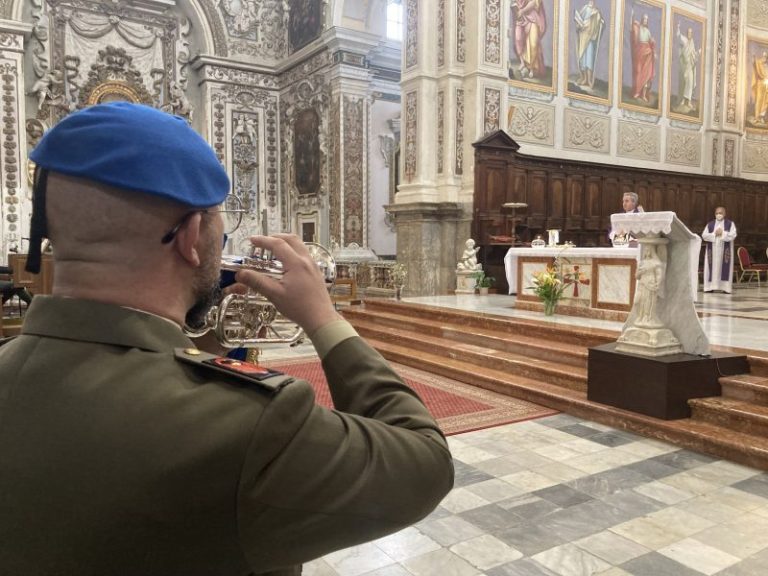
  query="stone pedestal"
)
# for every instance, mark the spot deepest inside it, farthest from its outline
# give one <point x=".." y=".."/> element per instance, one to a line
<point x="659" y="386"/>
<point x="649" y="341"/>
<point x="466" y="281"/>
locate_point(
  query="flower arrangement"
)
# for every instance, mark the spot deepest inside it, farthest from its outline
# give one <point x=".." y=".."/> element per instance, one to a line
<point x="482" y="280"/>
<point x="398" y="275"/>
<point x="549" y="286"/>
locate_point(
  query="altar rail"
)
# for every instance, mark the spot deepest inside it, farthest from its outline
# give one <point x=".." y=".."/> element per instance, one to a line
<point x="578" y="198"/>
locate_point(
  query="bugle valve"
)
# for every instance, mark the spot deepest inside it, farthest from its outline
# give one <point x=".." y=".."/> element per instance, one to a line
<point x="250" y="320"/>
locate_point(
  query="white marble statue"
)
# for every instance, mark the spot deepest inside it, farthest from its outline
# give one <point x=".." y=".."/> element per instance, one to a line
<point x="468" y="259"/>
<point x="650" y="284"/>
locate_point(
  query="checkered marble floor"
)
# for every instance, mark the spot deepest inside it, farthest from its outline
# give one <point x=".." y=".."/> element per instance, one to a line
<point x="561" y="496"/>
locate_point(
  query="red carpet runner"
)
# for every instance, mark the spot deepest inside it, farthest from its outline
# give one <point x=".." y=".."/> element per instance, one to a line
<point x="456" y="406"/>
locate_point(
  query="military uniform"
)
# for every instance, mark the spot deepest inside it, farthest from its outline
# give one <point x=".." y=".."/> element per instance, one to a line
<point x="117" y="458"/>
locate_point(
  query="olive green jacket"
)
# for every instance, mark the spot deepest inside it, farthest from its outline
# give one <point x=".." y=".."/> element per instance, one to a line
<point x="118" y="459"/>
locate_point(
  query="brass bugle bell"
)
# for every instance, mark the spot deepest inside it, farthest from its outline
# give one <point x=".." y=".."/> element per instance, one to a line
<point x="250" y="320"/>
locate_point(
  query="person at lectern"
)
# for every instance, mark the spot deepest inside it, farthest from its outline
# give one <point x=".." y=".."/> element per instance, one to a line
<point x="718" y="236"/>
<point x="630" y="204"/>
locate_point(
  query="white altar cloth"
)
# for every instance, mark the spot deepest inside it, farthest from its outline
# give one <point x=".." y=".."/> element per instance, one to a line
<point x="510" y="260"/>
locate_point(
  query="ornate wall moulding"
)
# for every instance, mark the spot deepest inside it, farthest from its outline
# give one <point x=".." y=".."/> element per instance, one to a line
<point x="440" y="130"/>
<point x="411" y="126"/>
<point x="491" y="110"/>
<point x="588" y="132"/>
<point x="459" y="165"/>
<point x="411" y="33"/>
<point x="354" y="166"/>
<point x="757" y="14"/>
<point x="461" y="31"/>
<point x="728" y="157"/>
<point x="684" y="147"/>
<point x="715" y="156"/>
<point x="733" y="62"/>
<point x="492" y="53"/>
<point x="717" y="103"/>
<point x="639" y="141"/>
<point x="441" y="33"/>
<point x="755" y="157"/>
<point x="531" y="123"/>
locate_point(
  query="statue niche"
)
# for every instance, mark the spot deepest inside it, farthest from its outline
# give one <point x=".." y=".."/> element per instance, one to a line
<point x="306" y="152"/>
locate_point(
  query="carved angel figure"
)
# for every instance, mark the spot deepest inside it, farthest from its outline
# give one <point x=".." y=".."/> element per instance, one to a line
<point x="43" y="88"/>
<point x="177" y="103"/>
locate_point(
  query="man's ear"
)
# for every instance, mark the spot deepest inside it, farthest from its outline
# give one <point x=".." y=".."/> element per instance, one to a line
<point x="187" y="238"/>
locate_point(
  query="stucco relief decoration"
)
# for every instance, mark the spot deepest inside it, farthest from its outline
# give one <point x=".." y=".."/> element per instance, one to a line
<point x="715" y="155"/>
<point x="245" y="159"/>
<point x="412" y="34"/>
<point x="354" y="164"/>
<point x="733" y="63"/>
<point x="244" y="77"/>
<point x="755" y="158"/>
<point x="11" y="170"/>
<point x="94" y="39"/>
<point x="411" y="120"/>
<point x="459" y="132"/>
<point x="728" y="157"/>
<point x="258" y="28"/>
<point x="461" y="31"/>
<point x="440" y="130"/>
<point x="305" y="22"/>
<point x="334" y="200"/>
<point x="638" y="141"/>
<point x="306" y="152"/>
<point x="492" y="109"/>
<point x="684" y="148"/>
<point x="717" y="104"/>
<point x="531" y="123"/>
<point x="587" y="132"/>
<point x="441" y="33"/>
<point x="493" y="32"/>
<point x="757" y="13"/>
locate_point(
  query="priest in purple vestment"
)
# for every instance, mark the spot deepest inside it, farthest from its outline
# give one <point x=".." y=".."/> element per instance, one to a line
<point x="718" y="236"/>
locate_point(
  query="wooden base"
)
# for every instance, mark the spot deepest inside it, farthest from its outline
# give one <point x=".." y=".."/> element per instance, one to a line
<point x="658" y="387"/>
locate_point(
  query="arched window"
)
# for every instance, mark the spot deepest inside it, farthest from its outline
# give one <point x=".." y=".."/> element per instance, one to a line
<point x="395" y="20"/>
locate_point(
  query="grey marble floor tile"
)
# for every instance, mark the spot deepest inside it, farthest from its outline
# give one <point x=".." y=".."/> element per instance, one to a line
<point x="486" y="552"/>
<point x="606" y="483"/>
<point x="528" y="507"/>
<point x="756" y="565"/>
<point x="438" y="512"/>
<point x="442" y="562"/>
<point x="406" y="544"/>
<point x="563" y="495"/>
<point x="653" y="468"/>
<point x="613" y="439"/>
<point x="632" y="502"/>
<point x="572" y="523"/>
<point x="757" y="485"/>
<point x="530" y="538"/>
<point x="579" y="430"/>
<point x="683" y="459"/>
<point x="491" y="518"/>
<point x="393" y="570"/>
<point x="464" y="474"/>
<point x="655" y="564"/>
<point x="559" y="420"/>
<point x="522" y="567"/>
<point x="450" y="530"/>
<point x="611" y="547"/>
<point x="570" y="560"/>
<point x="604" y="515"/>
<point x="698" y="556"/>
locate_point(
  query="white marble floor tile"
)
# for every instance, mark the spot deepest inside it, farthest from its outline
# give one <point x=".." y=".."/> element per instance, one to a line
<point x="742" y="538"/>
<point x="406" y="544"/>
<point x="496" y="489"/>
<point x="501" y="466"/>
<point x="740" y="499"/>
<point x="318" y="567"/>
<point x="461" y="500"/>
<point x="560" y="472"/>
<point x="558" y="452"/>
<point x="613" y="572"/>
<point x="528" y="481"/>
<point x="647" y="449"/>
<point x="441" y="562"/>
<point x="450" y="530"/>
<point x="358" y="560"/>
<point x="570" y="560"/>
<point x="689" y="483"/>
<point x="663" y="492"/>
<point x="611" y="547"/>
<point x="694" y="554"/>
<point x="602" y="461"/>
<point x="679" y="521"/>
<point x="646" y="533"/>
<point x="711" y="508"/>
<point x="486" y="552"/>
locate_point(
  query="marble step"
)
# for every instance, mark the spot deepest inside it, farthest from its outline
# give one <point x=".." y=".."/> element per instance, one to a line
<point x="555" y="373"/>
<point x="548" y="330"/>
<point x="732" y="414"/>
<point x="746" y="387"/>
<point x="698" y="435"/>
<point x="519" y="344"/>
<point x="758" y="365"/>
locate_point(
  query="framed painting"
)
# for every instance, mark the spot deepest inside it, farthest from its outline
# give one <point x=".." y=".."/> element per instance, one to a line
<point x="686" y="66"/>
<point x="589" y="49"/>
<point x="756" y="77"/>
<point x="642" y="55"/>
<point x="532" y="32"/>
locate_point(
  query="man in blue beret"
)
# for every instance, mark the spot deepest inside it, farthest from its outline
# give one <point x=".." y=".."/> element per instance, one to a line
<point x="122" y="451"/>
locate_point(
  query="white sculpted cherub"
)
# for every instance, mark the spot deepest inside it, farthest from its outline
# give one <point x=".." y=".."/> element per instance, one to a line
<point x="469" y="257"/>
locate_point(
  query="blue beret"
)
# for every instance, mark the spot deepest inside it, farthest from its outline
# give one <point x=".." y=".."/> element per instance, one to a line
<point x="135" y="147"/>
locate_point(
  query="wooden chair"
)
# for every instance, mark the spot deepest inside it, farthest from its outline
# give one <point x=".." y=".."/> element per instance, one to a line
<point x="749" y="269"/>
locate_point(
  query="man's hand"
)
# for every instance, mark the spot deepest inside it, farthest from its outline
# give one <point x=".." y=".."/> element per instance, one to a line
<point x="719" y="232"/>
<point x="300" y="295"/>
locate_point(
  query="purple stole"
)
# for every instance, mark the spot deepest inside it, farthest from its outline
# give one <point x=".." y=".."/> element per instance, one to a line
<point x="725" y="271"/>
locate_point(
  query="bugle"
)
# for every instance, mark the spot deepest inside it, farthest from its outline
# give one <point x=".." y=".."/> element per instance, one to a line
<point x="250" y="320"/>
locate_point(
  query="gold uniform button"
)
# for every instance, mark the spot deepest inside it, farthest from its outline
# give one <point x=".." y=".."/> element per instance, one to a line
<point x="192" y="352"/>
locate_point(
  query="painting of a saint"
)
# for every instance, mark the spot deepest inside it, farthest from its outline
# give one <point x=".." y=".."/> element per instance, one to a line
<point x="642" y="54"/>
<point x="590" y="50"/>
<point x="305" y="22"/>
<point x="687" y="62"/>
<point x="757" y="85"/>
<point x="532" y="30"/>
<point x="306" y="152"/>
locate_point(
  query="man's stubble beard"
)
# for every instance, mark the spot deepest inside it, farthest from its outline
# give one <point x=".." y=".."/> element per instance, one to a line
<point x="206" y="288"/>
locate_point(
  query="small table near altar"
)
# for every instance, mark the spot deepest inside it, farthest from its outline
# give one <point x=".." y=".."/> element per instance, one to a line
<point x="601" y="278"/>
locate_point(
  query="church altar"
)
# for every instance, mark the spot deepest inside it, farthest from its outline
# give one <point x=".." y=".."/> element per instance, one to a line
<point x="603" y="278"/>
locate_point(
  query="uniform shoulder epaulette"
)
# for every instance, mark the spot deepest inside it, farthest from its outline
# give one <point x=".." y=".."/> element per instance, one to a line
<point x="246" y="372"/>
